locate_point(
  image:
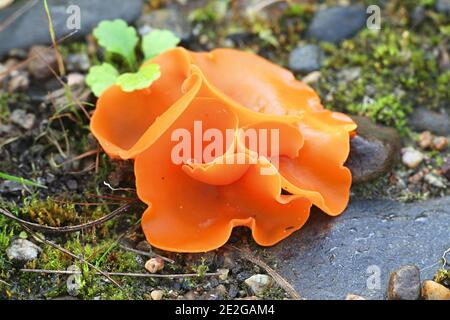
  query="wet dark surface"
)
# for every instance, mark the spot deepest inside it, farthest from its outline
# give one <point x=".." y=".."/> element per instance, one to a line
<point x="331" y="257"/>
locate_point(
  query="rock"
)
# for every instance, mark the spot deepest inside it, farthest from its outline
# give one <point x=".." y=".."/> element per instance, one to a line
<point x="434" y="291"/>
<point x="259" y="283"/>
<point x="76" y="80"/>
<point x="423" y="119"/>
<point x="5" y="3"/>
<point x="190" y="295"/>
<point x="72" y="184"/>
<point x="169" y="18"/>
<point x="157" y="294"/>
<point x="78" y="62"/>
<point x="412" y="157"/>
<point x="23" y="119"/>
<point x="443" y="6"/>
<point x="425" y="140"/>
<point x="332" y="256"/>
<point x="373" y="151"/>
<point x="351" y="296"/>
<point x="154" y="265"/>
<point x="32" y="26"/>
<point x="223" y="273"/>
<point x="312" y="77"/>
<point x="337" y="23"/>
<point x="404" y="284"/>
<point x="440" y="143"/>
<point x="41" y="60"/>
<point x="22" y="250"/>
<point x="418" y="15"/>
<point x="306" y="58"/>
<point x="19" y="82"/>
<point x="74" y="282"/>
<point x="435" y="181"/>
<point x="446" y="169"/>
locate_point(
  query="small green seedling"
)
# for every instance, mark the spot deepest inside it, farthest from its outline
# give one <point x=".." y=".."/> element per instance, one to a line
<point x="120" y="41"/>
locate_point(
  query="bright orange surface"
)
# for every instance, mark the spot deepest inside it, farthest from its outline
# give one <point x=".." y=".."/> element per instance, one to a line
<point x="193" y="206"/>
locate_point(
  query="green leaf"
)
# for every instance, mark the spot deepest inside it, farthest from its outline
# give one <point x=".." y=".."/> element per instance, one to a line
<point x="139" y="80"/>
<point x="119" y="38"/>
<point x="101" y="78"/>
<point x="158" y="41"/>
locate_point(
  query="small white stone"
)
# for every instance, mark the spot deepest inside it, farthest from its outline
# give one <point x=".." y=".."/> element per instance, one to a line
<point x="259" y="282"/>
<point x="223" y="273"/>
<point x="23" y="250"/>
<point x="412" y="157"/>
<point x="435" y="181"/>
<point x="156" y="294"/>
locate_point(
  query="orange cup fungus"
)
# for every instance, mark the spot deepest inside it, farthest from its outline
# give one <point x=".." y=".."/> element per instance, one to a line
<point x="195" y="201"/>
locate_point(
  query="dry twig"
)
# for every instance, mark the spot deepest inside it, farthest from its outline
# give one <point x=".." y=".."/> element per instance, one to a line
<point x="246" y="254"/>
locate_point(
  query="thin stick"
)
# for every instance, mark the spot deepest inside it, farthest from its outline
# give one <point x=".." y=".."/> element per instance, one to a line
<point x="5" y="283"/>
<point x="66" y="229"/>
<point x="145" y="253"/>
<point x="80" y="258"/>
<point x="127" y="274"/>
<point x="246" y="254"/>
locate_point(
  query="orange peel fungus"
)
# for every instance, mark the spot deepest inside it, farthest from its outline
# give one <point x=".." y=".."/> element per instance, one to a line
<point x="195" y="201"/>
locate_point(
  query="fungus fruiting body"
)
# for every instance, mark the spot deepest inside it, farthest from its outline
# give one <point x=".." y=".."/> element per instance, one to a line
<point x="200" y="98"/>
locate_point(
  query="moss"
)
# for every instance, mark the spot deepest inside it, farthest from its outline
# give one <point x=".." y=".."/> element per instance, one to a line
<point x="394" y="74"/>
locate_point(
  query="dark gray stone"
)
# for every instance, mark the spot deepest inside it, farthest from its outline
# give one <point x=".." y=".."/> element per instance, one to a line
<point x="373" y="152"/>
<point x="32" y="27"/>
<point x="404" y="284"/>
<point x="170" y="19"/>
<point x="423" y="119"/>
<point x="443" y="6"/>
<point x="307" y="58"/>
<point x="337" y="23"/>
<point x="330" y="257"/>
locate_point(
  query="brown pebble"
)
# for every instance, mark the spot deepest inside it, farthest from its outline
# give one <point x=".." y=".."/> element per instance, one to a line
<point x="425" y="140"/>
<point x="351" y="296"/>
<point x="434" y="291"/>
<point x="154" y="265"/>
<point x="440" y="143"/>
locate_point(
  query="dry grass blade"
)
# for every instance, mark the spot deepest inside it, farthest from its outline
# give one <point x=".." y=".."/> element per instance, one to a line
<point x="246" y="254"/>
<point x="62" y="71"/>
<point x="144" y="253"/>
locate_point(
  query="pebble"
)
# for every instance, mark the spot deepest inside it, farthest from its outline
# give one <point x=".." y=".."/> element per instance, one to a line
<point x="167" y="18"/>
<point x="78" y="62"/>
<point x="312" y="77"/>
<point x="23" y="119"/>
<point x="259" y="283"/>
<point x="412" y="157"/>
<point x="223" y="273"/>
<point x="435" y="181"/>
<point x="446" y="169"/>
<point x="443" y="6"/>
<point x="5" y="3"/>
<point x="404" y="283"/>
<point x="434" y="291"/>
<point x="423" y="119"/>
<point x="351" y="296"/>
<point x="154" y="265"/>
<point x="41" y="60"/>
<point x="425" y="140"/>
<point x="20" y="82"/>
<point x="440" y="143"/>
<point x="337" y="23"/>
<point x="157" y="294"/>
<point x="373" y="152"/>
<point x="22" y="250"/>
<point x="306" y="58"/>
